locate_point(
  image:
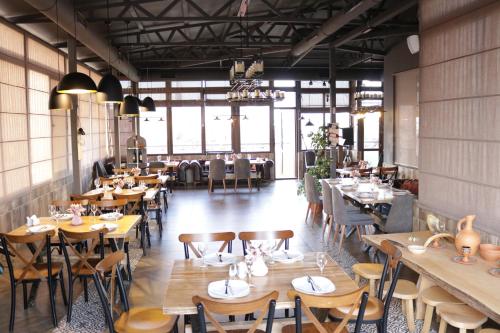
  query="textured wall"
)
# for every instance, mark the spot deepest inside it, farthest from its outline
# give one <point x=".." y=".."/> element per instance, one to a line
<point x="460" y="110"/>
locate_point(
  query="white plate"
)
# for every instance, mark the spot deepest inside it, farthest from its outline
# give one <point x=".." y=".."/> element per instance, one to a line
<point x="110" y="216"/>
<point x="99" y="226"/>
<point x="236" y="289"/>
<point x="322" y="285"/>
<point x="399" y="192"/>
<point x="137" y="189"/>
<point x="213" y="259"/>
<point x="365" y="195"/>
<point x="41" y="228"/>
<point x="63" y="217"/>
<point x="287" y="257"/>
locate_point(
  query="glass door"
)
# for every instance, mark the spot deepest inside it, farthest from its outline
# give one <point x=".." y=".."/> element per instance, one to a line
<point x="284" y="138"/>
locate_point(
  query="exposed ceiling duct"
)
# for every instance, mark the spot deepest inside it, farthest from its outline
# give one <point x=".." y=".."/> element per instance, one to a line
<point x="329" y="27"/>
<point x="91" y="39"/>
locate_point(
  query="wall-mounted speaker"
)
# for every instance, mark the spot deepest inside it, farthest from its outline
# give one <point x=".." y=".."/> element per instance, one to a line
<point x="413" y="43"/>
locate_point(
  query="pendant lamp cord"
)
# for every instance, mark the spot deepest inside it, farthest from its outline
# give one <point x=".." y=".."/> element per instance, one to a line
<point x="57" y="40"/>
<point x="108" y="23"/>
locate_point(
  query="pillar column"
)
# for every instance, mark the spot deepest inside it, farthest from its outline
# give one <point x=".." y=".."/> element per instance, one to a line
<point x="77" y="178"/>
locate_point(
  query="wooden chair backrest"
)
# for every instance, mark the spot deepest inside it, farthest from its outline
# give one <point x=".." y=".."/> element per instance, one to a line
<point x="248" y="236"/>
<point x="134" y="201"/>
<point x="89" y="197"/>
<point x="121" y="171"/>
<point x="163" y="170"/>
<point x="139" y="178"/>
<point x="106" y="181"/>
<point x="189" y="239"/>
<point x="110" y="204"/>
<point x="153" y="183"/>
<point x="303" y="302"/>
<point x="10" y="244"/>
<point x="69" y="238"/>
<point x="392" y="265"/>
<point x="388" y="173"/>
<point x="393" y="253"/>
<point x="263" y="304"/>
<point x="365" y="172"/>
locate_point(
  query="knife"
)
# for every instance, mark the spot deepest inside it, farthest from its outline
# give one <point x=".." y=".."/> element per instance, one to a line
<point x="311" y="282"/>
<point x="227" y="285"/>
<point x="220" y="256"/>
<point x="315" y="286"/>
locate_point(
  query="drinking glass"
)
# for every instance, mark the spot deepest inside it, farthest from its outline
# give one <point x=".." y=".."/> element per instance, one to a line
<point x="271" y="245"/>
<point x="93" y="209"/>
<point x="168" y="158"/>
<point x="249" y="262"/>
<point x="321" y="261"/>
<point x="441" y="226"/>
<point x="97" y="182"/>
<point x="391" y="183"/>
<point x="202" y="248"/>
<point x="233" y="271"/>
<point x="117" y="213"/>
<point x="158" y="158"/>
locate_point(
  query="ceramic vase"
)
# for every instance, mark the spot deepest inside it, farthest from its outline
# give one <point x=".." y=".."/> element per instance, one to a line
<point x="76" y="220"/>
<point x="259" y="267"/>
<point x="466" y="236"/>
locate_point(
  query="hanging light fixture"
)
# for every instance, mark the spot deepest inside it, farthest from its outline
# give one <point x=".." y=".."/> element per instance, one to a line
<point x="148" y="103"/>
<point x="216" y="118"/>
<point x="310" y="82"/>
<point x="309" y="123"/>
<point x="324" y="84"/>
<point x="109" y="90"/>
<point x="59" y="101"/>
<point x="76" y="83"/>
<point x="129" y="107"/>
<point x="161" y="119"/>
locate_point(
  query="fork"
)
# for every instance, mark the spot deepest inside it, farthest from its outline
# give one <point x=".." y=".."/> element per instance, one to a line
<point x="227" y="286"/>
<point x="314" y="286"/>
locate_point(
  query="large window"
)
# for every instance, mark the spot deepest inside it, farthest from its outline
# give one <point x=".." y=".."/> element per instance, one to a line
<point x="154" y="130"/>
<point x="309" y="124"/>
<point x="218" y="128"/>
<point x="255" y="129"/>
<point x="186" y="130"/>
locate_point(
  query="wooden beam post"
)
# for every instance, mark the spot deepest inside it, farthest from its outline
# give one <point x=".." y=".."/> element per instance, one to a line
<point x="77" y="178"/>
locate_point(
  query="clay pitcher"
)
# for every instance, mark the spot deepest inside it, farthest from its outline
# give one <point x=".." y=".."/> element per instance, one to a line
<point x="466" y="236"/>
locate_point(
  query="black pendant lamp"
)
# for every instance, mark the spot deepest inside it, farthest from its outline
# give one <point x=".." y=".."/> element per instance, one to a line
<point x="149" y="104"/>
<point x="309" y="123"/>
<point x="109" y="90"/>
<point x="76" y="83"/>
<point x="129" y="107"/>
<point x="59" y="101"/>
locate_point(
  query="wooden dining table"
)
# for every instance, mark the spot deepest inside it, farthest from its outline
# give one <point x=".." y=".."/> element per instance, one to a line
<point x="365" y="193"/>
<point x="108" y="195"/>
<point x="470" y="283"/>
<point x="188" y="279"/>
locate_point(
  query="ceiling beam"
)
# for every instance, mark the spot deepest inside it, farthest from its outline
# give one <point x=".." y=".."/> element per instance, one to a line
<point x="225" y="19"/>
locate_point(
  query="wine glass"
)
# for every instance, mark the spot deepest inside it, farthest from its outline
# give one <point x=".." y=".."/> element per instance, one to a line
<point x="158" y="158"/>
<point x="93" y="209"/>
<point x="321" y="261"/>
<point x="52" y="211"/>
<point x="202" y="248"/>
<point x="271" y="245"/>
<point x="441" y="226"/>
<point x="391" y="183"/>
<point x="97" y="182"/>
<point x="233" y="271"/>
<point x="249" y="263"/>
<point x="117" y="213"/>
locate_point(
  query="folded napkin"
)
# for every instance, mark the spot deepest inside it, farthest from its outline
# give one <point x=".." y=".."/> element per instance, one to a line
<point x="33" y="220"/>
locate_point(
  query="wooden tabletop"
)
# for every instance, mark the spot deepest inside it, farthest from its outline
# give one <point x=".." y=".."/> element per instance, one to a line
<point x="189" y="279"/>
<point x="470" y="283"/>
<point x="125" y="224"/>
<point x="108" y="195"/>
<point x="379" y="195"/>
<point x="252" y="162"/>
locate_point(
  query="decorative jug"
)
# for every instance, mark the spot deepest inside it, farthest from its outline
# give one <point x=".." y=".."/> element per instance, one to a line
<point x="259" y="267"/>
<point x="466" y="236"/>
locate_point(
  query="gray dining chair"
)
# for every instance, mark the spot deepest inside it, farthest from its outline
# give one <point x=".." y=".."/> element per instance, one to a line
<point x="400" y="217"/>
<point x="242" y="171"/>
<point x="312" y="195"/>
<point x="344" y="219"/>
<point x="217" y="172"/>
<point x="197" y="171"/>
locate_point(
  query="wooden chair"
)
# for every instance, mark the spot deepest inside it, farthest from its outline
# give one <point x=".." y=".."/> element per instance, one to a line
<point x="365" y="172"/>
<point x="189" y="239"/>
<point x="106" y="181"/>
<point x="377" y="308"/>
<point x="121" y="171"/>
<point x="148" y="177"/>
<point x="24" y="270"/>
<point x="283" y="236"/>
<point x="63" y="205"/>
<point x="84" y="267"/>
<point x="242" y="171"/>
<point x="164" y="171"/>
<point x="354" y="301"/>
<point x="460" y="316"/>
<point x="135" y="206"/>
<point x="432" y="297"/>
<point x="138" y="319"/>
<point x="388" y="173"/>
<point x="155" y="205"/>
<point x="89" y="197"/>
<point x="265" y="304"/>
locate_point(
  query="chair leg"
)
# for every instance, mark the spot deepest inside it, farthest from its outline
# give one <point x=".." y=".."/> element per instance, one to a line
<point x="129" y="269"/>
<point x="307" y="212"/>
<point x="25" y="295"/>
<point x="224" y="183"/>
<point x="250" y="184"/>
<point x="429" y="311"/>
<point x="63" y="290"/>
<point x="235" y="184"/>
<point x="148" y="234"/>
<point x="330" y="229"/>
<point x="85" y="290"/>
<point x="210" y="185"/>
<point x="410" y="315"/>
<point x="358" y="232"/>
<point x="324" y="226"/>
<point x="121" y="289"/>
<point x="372" y="287"/>
<point x="70" y="299"/>
<point x="50" y="282"/>
<point x="12" y="306"/>
<point x="342" y="236"/>
<point x="107" y="314"/>
<point x="314" y="208"/>
<point x="335" y="233"/>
